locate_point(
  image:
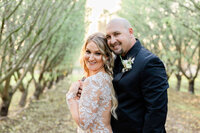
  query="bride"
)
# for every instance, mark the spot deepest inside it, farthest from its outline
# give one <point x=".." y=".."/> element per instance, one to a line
<point x="93" y="109"/>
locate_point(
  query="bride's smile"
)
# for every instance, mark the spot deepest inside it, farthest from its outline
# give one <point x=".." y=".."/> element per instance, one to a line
<point x="93" y="58"/>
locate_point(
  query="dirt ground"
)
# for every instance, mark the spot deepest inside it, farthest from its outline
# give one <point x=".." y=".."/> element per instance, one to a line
<point x="47" y="115"/>
<point x="51" y="115"/>
<point x="183" y="112"/>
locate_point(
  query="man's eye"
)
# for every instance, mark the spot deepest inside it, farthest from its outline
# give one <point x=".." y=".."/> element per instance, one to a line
<point x="116" y="34"/>
<point x="107" y="37"/>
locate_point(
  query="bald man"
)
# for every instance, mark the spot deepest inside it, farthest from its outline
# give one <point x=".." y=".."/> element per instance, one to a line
<point x="140" y="82"/>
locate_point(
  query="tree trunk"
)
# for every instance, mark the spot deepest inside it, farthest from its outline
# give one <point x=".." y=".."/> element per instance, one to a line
<point x="59" y="78"/>
<point x="6" y="97"/>
<point x="24" y="95"/>
<point x="38" y="90"/>
<point x="38" y="86"/>
<point x="5" y="105"/>
<point x="178" y="85"/>
<point x="44" y="85"/>
<point x="191" y="86"/>
<point x="50" y="84"/>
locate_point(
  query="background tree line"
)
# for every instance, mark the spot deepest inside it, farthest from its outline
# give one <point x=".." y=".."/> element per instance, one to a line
<point x="38" y="40"/>
<point x="171" y="30"/>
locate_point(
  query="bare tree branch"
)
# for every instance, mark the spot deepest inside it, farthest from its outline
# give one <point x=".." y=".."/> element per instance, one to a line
<point x="2" y="28"/>
<point x="26" y="70"/>
<point x="14" y="10"/>
<point x="26" y="55"/>
<point x="196" y="4"/>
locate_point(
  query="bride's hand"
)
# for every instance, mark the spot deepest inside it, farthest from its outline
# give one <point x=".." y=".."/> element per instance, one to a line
<point x="73" y="90"/>
<point x="74" y="87"/>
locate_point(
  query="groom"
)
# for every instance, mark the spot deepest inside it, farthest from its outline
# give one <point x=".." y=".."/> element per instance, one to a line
<point x="140" y="82"/>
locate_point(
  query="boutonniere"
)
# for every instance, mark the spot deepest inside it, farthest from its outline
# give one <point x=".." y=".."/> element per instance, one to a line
<point x="127" y="64"/>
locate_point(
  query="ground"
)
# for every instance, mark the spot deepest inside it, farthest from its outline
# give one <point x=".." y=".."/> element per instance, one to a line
<point x="48" y="115"/>
<point x="183" y="113"/>
<point x="51" y="115"/>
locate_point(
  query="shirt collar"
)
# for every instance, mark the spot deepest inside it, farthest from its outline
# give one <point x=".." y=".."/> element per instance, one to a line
<point x="134" y="50"/>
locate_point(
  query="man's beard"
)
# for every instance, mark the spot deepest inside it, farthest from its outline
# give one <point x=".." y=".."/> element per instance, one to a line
<point x="120" y="52"/>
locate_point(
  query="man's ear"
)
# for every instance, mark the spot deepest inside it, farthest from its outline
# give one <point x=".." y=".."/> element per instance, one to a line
<point x="131" y="30"/>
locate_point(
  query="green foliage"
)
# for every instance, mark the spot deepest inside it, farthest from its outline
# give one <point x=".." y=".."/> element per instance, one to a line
<point x="170" y="29"/>
<point x="72" y="33"/>
<point x="40" y="37"/>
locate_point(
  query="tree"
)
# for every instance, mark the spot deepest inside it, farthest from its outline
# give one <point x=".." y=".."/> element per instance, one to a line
<point x="170" y="30"/>
<point x="35" y="37"/>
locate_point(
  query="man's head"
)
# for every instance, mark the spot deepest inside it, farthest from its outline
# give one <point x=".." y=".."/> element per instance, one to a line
<point x="119" y="34"/>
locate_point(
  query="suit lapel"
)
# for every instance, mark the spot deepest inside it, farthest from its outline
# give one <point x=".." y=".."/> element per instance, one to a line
<point x="118" y="77"/>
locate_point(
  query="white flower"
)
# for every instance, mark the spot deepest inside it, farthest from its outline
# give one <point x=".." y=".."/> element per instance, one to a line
<point x="127" y="64"/>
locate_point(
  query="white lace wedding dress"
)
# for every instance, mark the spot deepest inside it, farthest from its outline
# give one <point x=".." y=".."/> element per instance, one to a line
<point x="95" y="104"/>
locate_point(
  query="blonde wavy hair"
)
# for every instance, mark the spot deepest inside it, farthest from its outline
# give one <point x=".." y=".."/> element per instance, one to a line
<point x="108" y="59"/>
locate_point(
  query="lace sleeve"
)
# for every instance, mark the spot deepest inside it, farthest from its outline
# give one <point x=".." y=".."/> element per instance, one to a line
<point x="89" y="103"/>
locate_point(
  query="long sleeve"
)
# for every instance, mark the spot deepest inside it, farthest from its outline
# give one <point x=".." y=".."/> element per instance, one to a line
<point x="72" y="101"/>
<point x="89" y="103"/>
<point x="92" y="111"/>
<point x="154" y="88"/>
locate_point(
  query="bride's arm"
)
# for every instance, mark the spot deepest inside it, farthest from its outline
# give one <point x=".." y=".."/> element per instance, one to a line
<point x="89" y="103"/>
<point x="73" y="106"/>
<point x="72" y="101"/>
<point x="83" y="111"/>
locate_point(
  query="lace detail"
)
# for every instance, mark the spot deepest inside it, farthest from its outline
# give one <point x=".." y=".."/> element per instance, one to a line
<point x="95" y="104"/>
<point x="70" y="96"/>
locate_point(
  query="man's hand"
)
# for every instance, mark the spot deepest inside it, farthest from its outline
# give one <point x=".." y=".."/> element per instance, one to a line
<point x="80" y="89"/>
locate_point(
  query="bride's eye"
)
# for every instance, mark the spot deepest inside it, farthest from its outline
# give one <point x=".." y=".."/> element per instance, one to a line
<point x="97" y="53"/>
<point x="87" y="52"/>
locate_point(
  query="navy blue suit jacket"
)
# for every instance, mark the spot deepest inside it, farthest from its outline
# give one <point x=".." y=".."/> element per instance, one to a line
<point x="141" y="93"/>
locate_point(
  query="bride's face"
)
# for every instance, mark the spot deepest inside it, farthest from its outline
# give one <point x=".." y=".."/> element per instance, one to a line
<point x="93" y="58"/>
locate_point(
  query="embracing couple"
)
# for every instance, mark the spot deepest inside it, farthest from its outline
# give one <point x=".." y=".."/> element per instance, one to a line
<point x="121" y="93"/>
